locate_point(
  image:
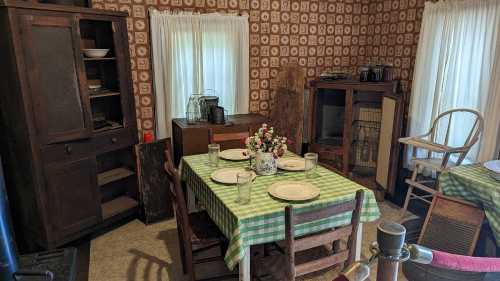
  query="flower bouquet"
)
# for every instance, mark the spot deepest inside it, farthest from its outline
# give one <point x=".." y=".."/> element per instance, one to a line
<point x="266" y="147"/>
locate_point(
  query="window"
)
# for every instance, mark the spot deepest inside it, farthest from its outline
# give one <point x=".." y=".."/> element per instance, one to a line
<point x="196" y="52"/>
<point x="458" y="66"/>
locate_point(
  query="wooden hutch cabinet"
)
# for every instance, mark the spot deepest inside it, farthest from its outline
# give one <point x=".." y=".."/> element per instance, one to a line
<point x="68" y="150"/>
<point x="189" y="139"/>
<point x="354" y="127"/>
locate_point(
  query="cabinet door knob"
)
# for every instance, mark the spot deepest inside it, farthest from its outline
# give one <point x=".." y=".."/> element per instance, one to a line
<point x="114" y="140"/>
<point x="68" y="149"/>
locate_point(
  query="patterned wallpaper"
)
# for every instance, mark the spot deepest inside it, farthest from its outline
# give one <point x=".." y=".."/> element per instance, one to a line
<point x="316" y="34"/>
<point x="394" y="26"/>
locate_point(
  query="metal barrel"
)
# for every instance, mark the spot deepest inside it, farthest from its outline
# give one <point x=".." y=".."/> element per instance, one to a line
<point x="8" y="254"/>
<point x="390" y="238"/>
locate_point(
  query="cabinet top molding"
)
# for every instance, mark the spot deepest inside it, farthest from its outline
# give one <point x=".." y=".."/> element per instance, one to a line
<point x="58" y="8"/>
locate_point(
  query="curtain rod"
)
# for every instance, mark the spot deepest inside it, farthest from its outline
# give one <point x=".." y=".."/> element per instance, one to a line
<point x="194" y="12"/>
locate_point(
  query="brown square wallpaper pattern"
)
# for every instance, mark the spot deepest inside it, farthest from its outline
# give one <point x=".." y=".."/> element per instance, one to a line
<point x="316" y="34"/>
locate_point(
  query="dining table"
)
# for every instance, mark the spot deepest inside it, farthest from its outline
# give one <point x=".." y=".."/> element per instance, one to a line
<point x="475" y="183"/>
<point x="262" y="220"/>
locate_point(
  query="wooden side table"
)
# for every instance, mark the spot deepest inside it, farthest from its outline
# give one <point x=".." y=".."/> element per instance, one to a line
<point x="189" y="139"/>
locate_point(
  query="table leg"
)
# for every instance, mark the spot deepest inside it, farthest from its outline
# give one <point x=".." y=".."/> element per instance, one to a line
<point x="191" y="201"/>
<point x="359" y="242"/>
<point x="244" y="266"/>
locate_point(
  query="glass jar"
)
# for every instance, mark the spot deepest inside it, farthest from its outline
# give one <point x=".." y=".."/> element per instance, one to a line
<point x="197" y="106"/>
<point x="203" y="113"/>
<point x="191" y="110"/>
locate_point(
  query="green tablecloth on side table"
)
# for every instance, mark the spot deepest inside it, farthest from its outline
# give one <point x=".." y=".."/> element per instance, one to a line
<point x="262" y="220"/>
<point x="473" y="183"/>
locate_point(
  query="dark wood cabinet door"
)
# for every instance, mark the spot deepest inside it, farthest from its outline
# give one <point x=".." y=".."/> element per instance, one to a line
<point x="73" y="197"/>
<point x="54" y="69"/>
<point x="123" y="58"/>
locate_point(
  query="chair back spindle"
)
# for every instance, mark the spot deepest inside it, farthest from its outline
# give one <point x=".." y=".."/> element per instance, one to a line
<point x="294" y="245"/>
<point x="181" y="213"/>
<point x="228" y="137"/>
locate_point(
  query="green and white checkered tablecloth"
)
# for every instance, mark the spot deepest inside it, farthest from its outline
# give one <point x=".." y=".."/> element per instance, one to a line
<point x="262" y="220"/>
<point x="473" y="183"/>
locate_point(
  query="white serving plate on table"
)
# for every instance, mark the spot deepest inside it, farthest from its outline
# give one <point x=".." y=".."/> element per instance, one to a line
<point x="493" y="165"/>
<point x="235" y="154"/>
<point x="292" y="164"/>
<point x="293" y="190"/>
<point x="228" y="175"/>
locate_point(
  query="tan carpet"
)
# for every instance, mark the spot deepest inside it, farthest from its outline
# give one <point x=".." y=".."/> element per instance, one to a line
<point x="136" y="252"/>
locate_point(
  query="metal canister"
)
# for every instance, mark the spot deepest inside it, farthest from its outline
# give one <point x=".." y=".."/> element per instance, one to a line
<point x="388" y="73"/>
<point x="377" y="73"/>
<point x="364" y="73"/>
<point x="217" y="115"/>
<point x="206" y="104"/>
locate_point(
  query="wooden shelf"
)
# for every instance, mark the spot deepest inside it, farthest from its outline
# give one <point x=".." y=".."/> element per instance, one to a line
<point x="109" y="128"/>
<point x="99" y="59"/>
<point x="104" y="94"/>
<point x="117" y="206"/>
<point x="113" y="175"/>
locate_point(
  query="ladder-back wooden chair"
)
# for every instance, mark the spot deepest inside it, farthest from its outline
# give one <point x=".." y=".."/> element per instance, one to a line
<point x="198" y="235"/>
<point x="436" y="142"/>
<point x="228" y="137"/>
<point x="293" y="245"/>
<point x="287" y="105"/>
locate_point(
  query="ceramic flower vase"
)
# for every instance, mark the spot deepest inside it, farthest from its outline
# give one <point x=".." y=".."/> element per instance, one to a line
<point x="265" y="164"/>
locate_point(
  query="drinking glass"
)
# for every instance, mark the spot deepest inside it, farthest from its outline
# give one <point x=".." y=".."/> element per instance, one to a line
<point x="213" y="154"/>
<point x="311" y="161"/>
<point x="244" y="180"/>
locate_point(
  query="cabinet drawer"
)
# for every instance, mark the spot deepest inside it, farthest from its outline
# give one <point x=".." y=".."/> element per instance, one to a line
<point x="113" y="140"/>
<point x="67" y="151"/>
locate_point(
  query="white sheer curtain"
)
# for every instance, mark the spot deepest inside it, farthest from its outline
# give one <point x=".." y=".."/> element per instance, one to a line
<point x="193" y="52"/>
<point x="458" y="66"/>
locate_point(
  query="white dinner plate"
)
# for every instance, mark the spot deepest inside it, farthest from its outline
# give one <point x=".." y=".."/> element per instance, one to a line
<point x="493" y="165"/>
<point x="235" y="154"/>
<point x="293" y="190"/>
<point x="228" y="175"/>
<point x="292" y="164"/>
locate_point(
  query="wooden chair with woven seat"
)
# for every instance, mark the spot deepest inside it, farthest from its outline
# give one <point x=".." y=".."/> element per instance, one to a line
<point x="198" y="235"/>
<point x="335" y="256"/>
<point x="453" y="226"/>
<point x="228" y="137"/>
<point x="435" y="143"/>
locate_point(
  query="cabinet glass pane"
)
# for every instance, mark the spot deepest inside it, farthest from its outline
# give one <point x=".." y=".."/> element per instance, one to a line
<point x="59" y="89"/>
<point x="330" y="115"/>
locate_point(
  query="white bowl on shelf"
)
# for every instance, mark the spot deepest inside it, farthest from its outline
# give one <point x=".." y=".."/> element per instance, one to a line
<point x="95" y="53"/>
